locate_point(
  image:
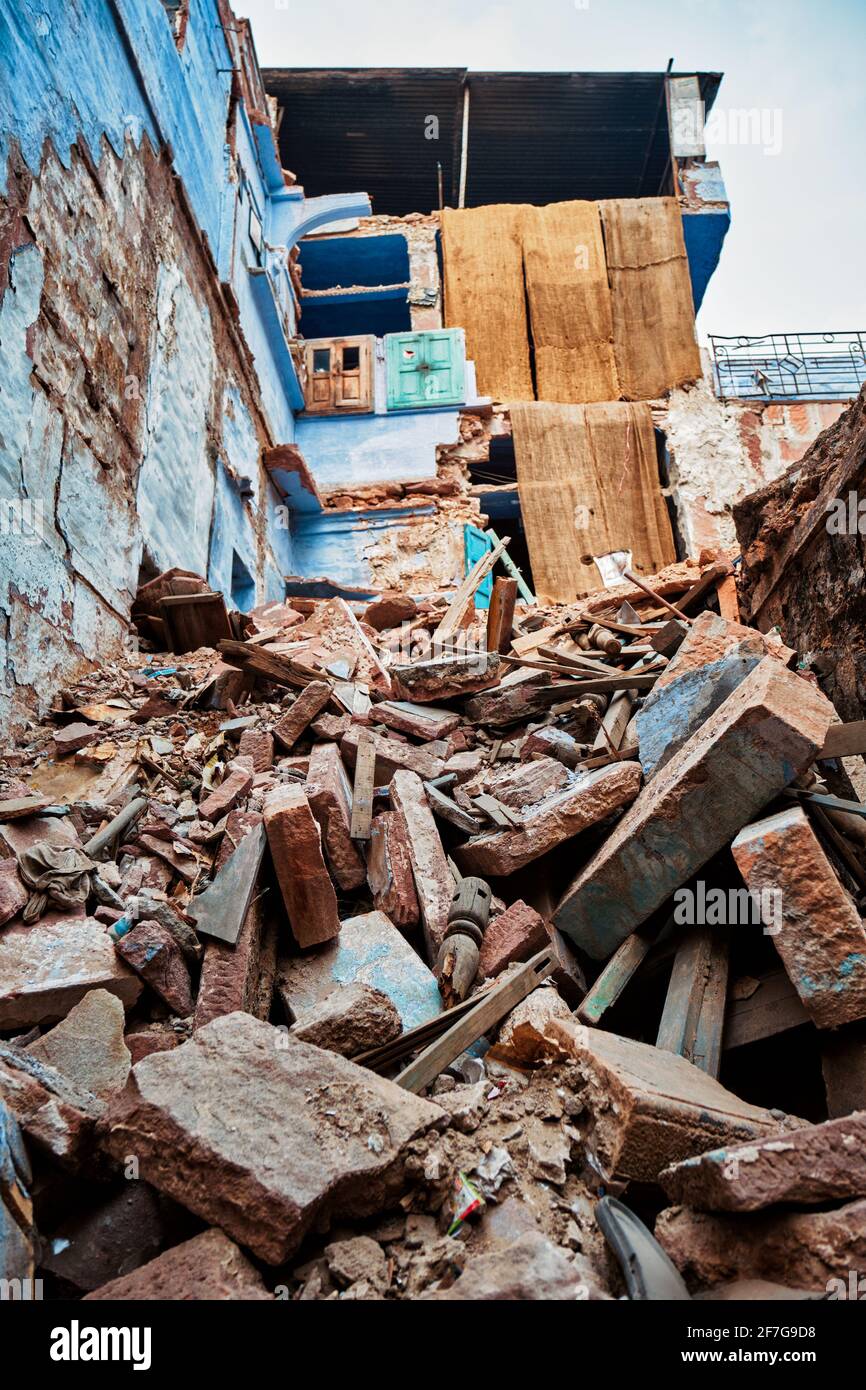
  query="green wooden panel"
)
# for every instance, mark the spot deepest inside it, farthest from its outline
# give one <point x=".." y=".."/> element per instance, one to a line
<point x="424" y="369"/>
<point x="475" y="544"/>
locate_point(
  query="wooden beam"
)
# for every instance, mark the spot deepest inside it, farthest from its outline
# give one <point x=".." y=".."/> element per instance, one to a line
<point x="613" y="979"/>
<point x="490" y="1008"/>
<point x="500" y="615"/>
<point x="457" y="607"/>
<point x="845" y="740"/>
<point x="694" y="1010"/>
<point x="363" y="788"/>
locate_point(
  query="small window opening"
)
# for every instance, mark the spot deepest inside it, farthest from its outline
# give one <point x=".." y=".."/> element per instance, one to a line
<point x="351" y="359"/>
<point x="322" y="360"/>
<point x="243" y="585"/>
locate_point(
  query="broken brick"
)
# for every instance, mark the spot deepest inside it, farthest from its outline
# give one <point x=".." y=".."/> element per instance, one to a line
<point x="765" y="733"/>
<point x="433" y="881"/>
<point x="307" y="705"/>
<point x="296" y="848"/>
<point x="553" y="821"/>
<point x="229" y="1161"/>
<point x="330" y="796"/>
<point x="389" y="870"/>
<point x="820" y="937"/>
<point x="809" y="1166"/>
<point x="391" y="755"/>
<point x="227" y="794"/>
<point x="516" y="934"/>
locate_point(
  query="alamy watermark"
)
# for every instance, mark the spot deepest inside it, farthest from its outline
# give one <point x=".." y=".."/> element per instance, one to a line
<point x="22" y="517"/>
<point x="760" y="126"/>
<point x="846" y="516"/>
<point x="701" y="906"/>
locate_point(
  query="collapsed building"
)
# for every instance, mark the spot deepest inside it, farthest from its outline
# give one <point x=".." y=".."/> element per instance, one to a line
<point x="308" y="806"/>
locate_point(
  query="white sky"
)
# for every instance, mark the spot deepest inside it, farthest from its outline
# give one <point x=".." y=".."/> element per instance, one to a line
<point x="793" y="256"/>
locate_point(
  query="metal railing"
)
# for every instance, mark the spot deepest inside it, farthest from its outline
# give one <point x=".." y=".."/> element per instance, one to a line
<point x="790" y="366"/>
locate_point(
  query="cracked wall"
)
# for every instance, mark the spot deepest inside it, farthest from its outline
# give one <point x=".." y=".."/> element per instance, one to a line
<point x="127" y="404"/>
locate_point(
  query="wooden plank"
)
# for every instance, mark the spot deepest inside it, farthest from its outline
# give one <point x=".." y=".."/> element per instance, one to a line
<point x="383" y="1058"/>
<point x="448" y="810"/>
<point x="774" y="1008"/>
<point x="845" y="740"/>
<point x="694" y="1010"/>
<point x="194" y="620"/>
<point x="707" y="582"/>
<point x="488" y="1011"/>
<point x="501" y="815"/>
<point x="613" y="979"/>
<point x="525" y="592"/>
<point x="500" y="615"/>
<point x="579" y="663"/>
<point x="707" y="1050"/>
<point x="634" y="579"/>
<point x="456" y="610"/>
<point x="363" y="788"/>
<point x="257" y="661"/>
<point x="221" y="909"/>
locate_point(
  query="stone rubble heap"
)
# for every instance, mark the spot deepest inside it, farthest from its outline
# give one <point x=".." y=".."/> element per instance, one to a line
<point x="228" y="880"/>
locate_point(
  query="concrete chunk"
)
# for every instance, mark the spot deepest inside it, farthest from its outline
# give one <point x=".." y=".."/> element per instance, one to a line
<point x="553" y="821"/>
<point x="264" y="1134"/>
<point x="821" y="937"/>
<point x="819" y="1163"/>
<point x="763" y="735"/>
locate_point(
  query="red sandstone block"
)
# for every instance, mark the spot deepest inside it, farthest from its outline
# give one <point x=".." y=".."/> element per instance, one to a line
<point x="433" y="881"/>
<point x="296" y="847"/>
<point x="330" y="796"/>
<point x="154" y="954"/>
<point x="389" y="870"/>
<point x="13" y="894"/>
<point x="820" y="937"/>
<point x="258" y="744"/>
<point x="758" y="740"/>
<point x="310" y="702"/>
<point x="227" y="795"/>
<point x="555" y="819"/>
<point x="391" y="755"/>
<point x="516" y="934"/>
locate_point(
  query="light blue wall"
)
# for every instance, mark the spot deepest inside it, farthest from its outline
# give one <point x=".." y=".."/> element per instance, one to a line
<point x="358" y="450"/>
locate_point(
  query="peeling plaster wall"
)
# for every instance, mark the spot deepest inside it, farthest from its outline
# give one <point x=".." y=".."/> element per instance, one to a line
<point x="127" y="406"/>
<point x="719" y="451"/>
<point x="176" y="482"/>
<point x="353" y="451"/>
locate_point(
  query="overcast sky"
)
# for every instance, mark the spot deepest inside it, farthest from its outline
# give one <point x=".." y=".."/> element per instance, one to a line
<point x="793" y="258"/>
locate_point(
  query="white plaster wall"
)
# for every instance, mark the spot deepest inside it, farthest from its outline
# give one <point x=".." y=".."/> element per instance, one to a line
<point x="176" y="482"/>
<point x="709" y="468"/>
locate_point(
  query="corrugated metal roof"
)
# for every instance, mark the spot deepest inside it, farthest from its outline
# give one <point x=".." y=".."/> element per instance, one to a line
<point x="535" y="137"/>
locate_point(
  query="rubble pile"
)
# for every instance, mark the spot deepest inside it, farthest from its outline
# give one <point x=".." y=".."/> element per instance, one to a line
<point x="408" y="949"/>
